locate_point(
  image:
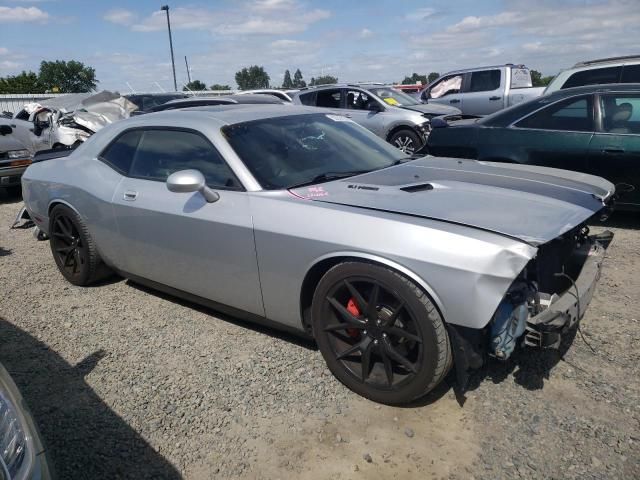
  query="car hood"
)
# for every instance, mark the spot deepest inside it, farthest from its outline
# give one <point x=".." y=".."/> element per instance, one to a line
<point x="433" y="108"/>
<point x="532" y="204"/>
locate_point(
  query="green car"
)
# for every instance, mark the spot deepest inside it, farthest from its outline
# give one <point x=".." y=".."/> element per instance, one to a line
<point x="593" y="129"/>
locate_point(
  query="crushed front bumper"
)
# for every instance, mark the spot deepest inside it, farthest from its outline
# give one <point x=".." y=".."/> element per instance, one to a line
<point x="545" y="328"/>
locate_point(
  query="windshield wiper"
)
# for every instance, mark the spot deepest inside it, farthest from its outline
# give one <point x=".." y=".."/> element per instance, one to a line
<point x="327" y="177"/>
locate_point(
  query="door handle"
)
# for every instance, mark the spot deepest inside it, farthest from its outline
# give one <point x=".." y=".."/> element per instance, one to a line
<point x="612" y="151"/>
<point x="495" y="98"/>
<point x="454" y="101"/>
<point x="130" y="195"/>
<point x="348" y="115"/>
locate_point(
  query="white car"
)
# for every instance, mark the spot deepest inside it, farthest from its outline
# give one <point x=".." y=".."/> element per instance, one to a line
<point x="598" y="72"/>
<point x="281" y="94"/>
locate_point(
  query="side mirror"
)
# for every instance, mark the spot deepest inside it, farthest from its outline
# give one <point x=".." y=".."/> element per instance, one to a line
<point x="375" y="107"/>
<point x="187" y="181"/>
<point x="5" y="130"/>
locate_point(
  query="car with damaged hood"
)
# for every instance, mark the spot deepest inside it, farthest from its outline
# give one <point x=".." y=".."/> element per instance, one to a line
<point x="68" y="120"/>
<point x="398" y="267"/>
<point x="389" y="113"/>
<point x="14" y="158"/>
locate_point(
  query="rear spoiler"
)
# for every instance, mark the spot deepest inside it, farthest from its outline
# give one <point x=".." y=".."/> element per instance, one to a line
<point x="52" y="153"/>
<point x="444" y="120"/>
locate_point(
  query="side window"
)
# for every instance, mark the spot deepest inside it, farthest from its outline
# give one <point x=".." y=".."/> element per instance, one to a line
<point x="485" y="81"/>
<point x="329" y="98"/>
<point x="308" y="99"/>
<point x="570" y="115"/>
<point x="162" y="152"/>
<point x="595" y="76"/>
<point x="630" y="74"/>
<point x="620" y="113"/>
<point x="446" y="86"/>
<point x="357" y="100"/>
<point x="119" y="154"/>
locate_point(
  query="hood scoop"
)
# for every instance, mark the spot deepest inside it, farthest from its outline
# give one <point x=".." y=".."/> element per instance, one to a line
<point x="420" y="187"/>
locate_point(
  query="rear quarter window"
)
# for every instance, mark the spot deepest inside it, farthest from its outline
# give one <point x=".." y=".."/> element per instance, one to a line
<point x="630" y="74"/>
<point x="308" y="98"/>
<point x="119" y="154"/>
<point x="595" y="76"/>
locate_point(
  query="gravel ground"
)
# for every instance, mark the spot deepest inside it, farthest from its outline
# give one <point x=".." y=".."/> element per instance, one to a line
<point x="129" y="383"/>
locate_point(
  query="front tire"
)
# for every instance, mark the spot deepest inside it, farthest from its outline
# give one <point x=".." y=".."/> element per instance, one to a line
<point x="406" y="140"/>
<point x="73" y="248"/>
<point x="379" y="333"/>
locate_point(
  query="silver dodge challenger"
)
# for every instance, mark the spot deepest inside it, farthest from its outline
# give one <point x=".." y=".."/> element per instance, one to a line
<point x="400" y="268"/>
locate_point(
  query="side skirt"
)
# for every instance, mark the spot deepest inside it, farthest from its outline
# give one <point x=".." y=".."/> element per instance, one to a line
<point x="219" y="307"/>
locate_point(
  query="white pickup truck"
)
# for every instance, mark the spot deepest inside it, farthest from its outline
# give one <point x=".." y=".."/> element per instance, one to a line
<point x="484" y="90"/>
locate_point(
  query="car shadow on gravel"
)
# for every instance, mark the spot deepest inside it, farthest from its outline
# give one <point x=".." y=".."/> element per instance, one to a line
<point x="9" y="196"/>
<point x="4" y="252"/>
<point x="82" y="435"/>
<point x="529" y="367"/>
<point x="272" y="331"/>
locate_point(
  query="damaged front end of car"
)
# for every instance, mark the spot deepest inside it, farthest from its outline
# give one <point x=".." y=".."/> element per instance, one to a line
<point x="547" y="299"/>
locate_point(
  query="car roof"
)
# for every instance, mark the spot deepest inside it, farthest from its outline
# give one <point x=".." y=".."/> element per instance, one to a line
<point x="507" y="116"/>
<point x="608" y="61"/>
<point x="229" y="114"/>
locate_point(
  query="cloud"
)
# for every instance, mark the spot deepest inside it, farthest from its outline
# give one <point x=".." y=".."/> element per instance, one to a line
<point x="4" y="50"/>
<point x="22" y="14"/>
<point x="270" y="17"/>
<point x="503" y="19"/>
<point x="420" y="14"/>
<point x="365" y="33"/>
<point x="120" y="16"/>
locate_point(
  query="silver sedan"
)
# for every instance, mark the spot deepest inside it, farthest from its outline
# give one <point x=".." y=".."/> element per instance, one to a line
<point x="398" y="267"/>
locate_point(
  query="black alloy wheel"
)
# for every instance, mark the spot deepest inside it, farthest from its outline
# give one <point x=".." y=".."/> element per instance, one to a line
<point x="69" y="250"/>
<point x="379" y="334"/>
<point x="73" y="248"/>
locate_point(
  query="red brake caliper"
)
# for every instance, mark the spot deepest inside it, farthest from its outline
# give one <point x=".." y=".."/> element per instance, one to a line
<point x="353" y="309"/>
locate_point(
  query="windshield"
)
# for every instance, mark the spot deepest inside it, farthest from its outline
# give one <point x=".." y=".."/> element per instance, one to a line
<point x="286" y="151"/>
<point x="391" y="96"/>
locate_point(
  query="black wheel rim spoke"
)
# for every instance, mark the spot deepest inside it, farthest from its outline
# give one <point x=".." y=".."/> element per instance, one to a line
<point x="402" y="333"/>
<point x="388" y="368"/>
<point x="360" y="301"/>
<point x="372" y="332"/>
<point x="344" y="313"/>
<point x="395" y="355"/>
<point x="67" y="245"/>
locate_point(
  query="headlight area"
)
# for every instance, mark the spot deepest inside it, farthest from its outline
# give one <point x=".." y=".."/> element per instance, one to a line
<point x="424" y="128"/>
<point x="18" y="154"/>
<point x="17" y="445"/>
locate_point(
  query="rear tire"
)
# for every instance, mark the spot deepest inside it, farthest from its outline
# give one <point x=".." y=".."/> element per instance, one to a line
<point x="406" y="140"/>
<point x="391" y="351"/>
<point x="73" y="248"/>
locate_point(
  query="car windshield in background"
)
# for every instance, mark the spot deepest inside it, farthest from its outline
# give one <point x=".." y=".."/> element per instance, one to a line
<point x="283" y="152"/>
<point x="394" y="97"/>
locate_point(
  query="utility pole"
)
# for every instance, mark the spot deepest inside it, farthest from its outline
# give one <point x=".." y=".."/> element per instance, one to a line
<point x="173" y="63"/>
<point x="188" y="72"/>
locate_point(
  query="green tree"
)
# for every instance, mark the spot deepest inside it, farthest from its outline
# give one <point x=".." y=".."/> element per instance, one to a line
<point x="217" y="86"/>
<point x="323" y="80"/>
<point x="25" y="82"/>
<point x="252" y="77"/>
<point x="67" y="77"/>
<point x="415" y="78"/>
<point x="287" y="83"/>
<point x="195" y="85"/>
<point x="298" y="82"/>
<point x="537" y="80"/>
<point x="432" y="76"/>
